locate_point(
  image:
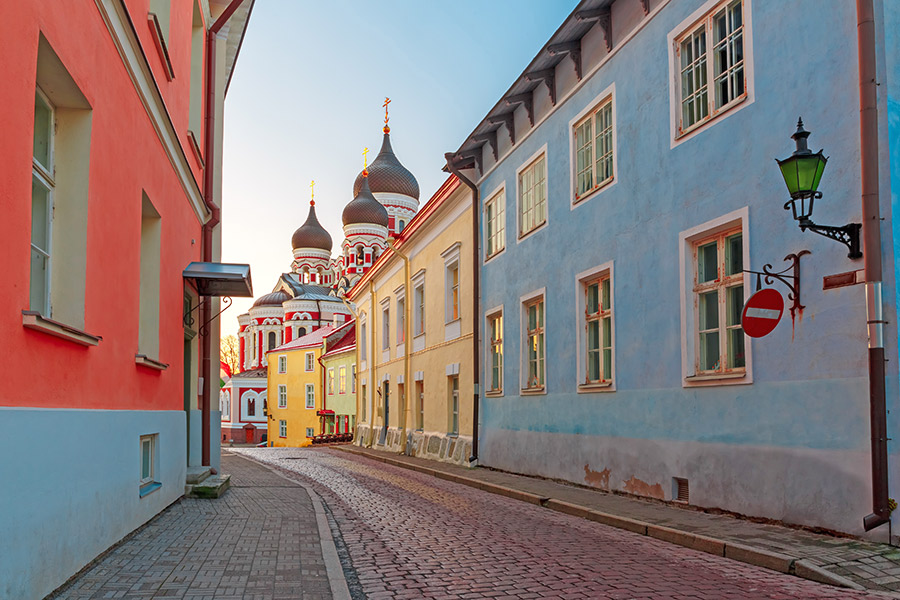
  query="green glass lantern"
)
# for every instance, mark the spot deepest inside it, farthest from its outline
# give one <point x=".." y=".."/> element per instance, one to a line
<point x="802" y="172"/>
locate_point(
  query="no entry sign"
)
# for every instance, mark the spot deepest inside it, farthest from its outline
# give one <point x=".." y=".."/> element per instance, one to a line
<point x="762" y="312"/>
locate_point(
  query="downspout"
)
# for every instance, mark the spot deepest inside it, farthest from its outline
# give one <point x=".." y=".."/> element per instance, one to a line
<point x="476" y="299"/>
<point x="407" y="377"/>
<point x="871" y="227"/>
<point x="371" y="358"/>
<point x="206" y="239"/>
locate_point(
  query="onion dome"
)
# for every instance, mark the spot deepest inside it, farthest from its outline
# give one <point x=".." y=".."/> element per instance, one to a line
<point x="311" y="234"/>
<point x="386" y="174"/>
<point x="273" y="299"/>
<point x="365" y="208"/>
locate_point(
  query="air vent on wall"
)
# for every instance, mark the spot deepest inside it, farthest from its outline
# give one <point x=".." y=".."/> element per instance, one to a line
<point x="681" y="491"/>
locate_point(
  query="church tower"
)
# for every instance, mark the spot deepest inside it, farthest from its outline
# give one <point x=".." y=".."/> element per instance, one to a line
<point x="365" y="231"/>
<point x="311" y="244"/>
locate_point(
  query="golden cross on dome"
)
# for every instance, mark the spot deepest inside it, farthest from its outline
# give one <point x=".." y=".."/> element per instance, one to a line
<point x="365" y="158"/>
<point x="385" y="105"/>
<point x="312" y="192"/>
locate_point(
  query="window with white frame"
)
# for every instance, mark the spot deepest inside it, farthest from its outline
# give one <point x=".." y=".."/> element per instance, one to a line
<point x="310" y="395"/>
<point x="364" y="401"/>
<point x="282" y="428"/>
<point x="282" y="364"/>
<point x="494" y="220"/>
<point x="353" y="378"/>
<point x="495" y="378"/>
<point x="42" y="186"/>
<point x="420" y="405"/>
<point x="282" y="396"/>
<point x="452" y="299"/>
<point x="363" y="342"/>
<point x="598" y="322"/>
<point x="401" y="320"/>
<point x="342" y="380"/>
<point x="593" y="138"/>
<point x="534" y="343"/>
<point x="419" y="308"/>
<point x="719" y="300"/>
<point x="453" y="402"/>
<point x="386" y="326"/>
<point x="310" y="432"/>
<point x="330" y="381"/>
<point x="148" y="459"/>
<point x="310" y="361"/>
<point x="533" y="195"/>
<point x="710" y="59"/>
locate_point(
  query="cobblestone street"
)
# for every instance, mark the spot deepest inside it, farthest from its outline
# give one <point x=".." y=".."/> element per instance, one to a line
<point x="414" y="536"/>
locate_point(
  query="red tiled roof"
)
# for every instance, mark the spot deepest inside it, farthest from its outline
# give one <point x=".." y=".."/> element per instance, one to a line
<point x="347" y="342"/>
<point x="259" y="373"/>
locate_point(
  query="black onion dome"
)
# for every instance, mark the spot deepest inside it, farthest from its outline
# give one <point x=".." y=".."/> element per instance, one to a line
<point x="311" y="234"/>
<point x="273" y="299"/>
<point x="365" y="208"/>
<point x="386" y="174"/>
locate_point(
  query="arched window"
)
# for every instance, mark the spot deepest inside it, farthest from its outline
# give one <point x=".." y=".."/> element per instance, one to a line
<point x="301" y="331"/>
<point x="272" y="337"/>
<point x="400" y="225"/>
<point x="251" y="408"/>
<point x="304" y="275"/>
<point x="359" y="254"/>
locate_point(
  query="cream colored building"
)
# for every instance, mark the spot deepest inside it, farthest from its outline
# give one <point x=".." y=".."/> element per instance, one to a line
<point x="415" y="335"/>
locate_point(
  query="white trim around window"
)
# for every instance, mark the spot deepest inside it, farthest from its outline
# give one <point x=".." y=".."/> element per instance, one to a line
<point x="599" y="273"/>
<point x="282" y="395"/>
<point x="520" y="235"/>
<point x="282" y="364"/>
<point x="452" y="299"/>
<point x="687" y="239"/>
<point x="525" y="302"/>
<point x="490" y="369"/>
<point x="494" y="210"/>
<point x="310" y="396"/>
<point x="310" y="364"/>
<point x="606" y="98"/>
<point x="701" y="19"/>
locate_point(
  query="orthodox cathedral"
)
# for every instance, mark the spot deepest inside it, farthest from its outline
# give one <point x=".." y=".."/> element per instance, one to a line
<point x="385" y="198"/>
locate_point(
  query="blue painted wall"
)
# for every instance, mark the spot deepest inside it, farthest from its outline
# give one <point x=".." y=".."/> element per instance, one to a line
<point x="808" y="400"/>
<point x="73" y="498"/>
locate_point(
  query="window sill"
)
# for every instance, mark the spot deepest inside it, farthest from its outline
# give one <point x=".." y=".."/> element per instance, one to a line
<point x="145" y="361"/>
<point x="605" y="386"/>
<point x="156" y="32"/>
<point x="493" y="394"/>
<point x="686" y="133"/>
<point x="579" y="200"/>
<point x="533" y="391"/>
<point x="717" y="379"/>
<point x="531" y="232"/>
<point x="149" y="487"/>
<point x="499" y="252"/>
<point x="32" y="319"/>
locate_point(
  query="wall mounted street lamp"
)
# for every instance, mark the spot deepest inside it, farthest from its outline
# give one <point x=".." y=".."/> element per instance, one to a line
<point x="802" y="172"/>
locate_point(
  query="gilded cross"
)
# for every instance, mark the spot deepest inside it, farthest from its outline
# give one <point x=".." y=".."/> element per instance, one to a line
<point x="312" y="189"/>
<point x="365" y="158"/>
<point x="385" y="105"/>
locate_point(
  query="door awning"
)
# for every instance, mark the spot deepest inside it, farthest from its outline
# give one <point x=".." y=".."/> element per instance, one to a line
<point x="220" y="279"/>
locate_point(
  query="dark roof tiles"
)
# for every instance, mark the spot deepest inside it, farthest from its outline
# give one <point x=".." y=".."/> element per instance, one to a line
<point x="311" y="234"/>
<point x="386" y="174"/>
<point x="365" y="208"/>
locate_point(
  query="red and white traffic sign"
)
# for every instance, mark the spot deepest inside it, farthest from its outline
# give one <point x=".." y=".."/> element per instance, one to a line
<point x="762" y="312"/>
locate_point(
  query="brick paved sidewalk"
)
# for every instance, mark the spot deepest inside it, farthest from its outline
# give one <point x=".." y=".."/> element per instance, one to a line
<point x="840" y="561"/>
<point x="260" y="540"/>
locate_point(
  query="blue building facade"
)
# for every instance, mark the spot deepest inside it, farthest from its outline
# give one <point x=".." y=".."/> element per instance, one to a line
<point x="628" y="181"/>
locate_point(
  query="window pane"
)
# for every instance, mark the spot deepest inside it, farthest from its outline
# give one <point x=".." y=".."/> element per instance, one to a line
<point x="593" y="336"/>
<point x="709" y="351"/>
<point x="709" y="310"/>
<point x="604" y="296"/>
<point x="707" y="263"/>
<point x="593" y="366"/>
<point x="593" y="298"/>
<point x="145" y="459"/>
<point x="539" y="308"/>
<point x="736" y="359"/>
<point x="735" y="305"/>
<point x="43" y="130"/>
<point x="734" y="254"/>
<point x="607" y="364"/>
<point x="40" y="211"/>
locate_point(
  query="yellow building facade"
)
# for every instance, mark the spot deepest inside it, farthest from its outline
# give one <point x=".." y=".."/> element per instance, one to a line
<point x="295" y="390"/>
<point x="415" y="335"/>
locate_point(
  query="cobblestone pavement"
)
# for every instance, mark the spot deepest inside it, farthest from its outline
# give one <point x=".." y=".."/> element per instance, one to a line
<point x="411" y="535"/>
<point x="259" y="541"/>
<point x="871" y="565"/>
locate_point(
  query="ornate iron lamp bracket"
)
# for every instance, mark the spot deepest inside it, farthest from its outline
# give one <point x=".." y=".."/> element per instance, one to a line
<point x="792" y="281"/>
<point x="189" y="319"/>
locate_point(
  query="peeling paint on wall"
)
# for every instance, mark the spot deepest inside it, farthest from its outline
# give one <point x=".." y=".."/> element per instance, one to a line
<point x="598" y="479"/>
<point x="642" y="488"/>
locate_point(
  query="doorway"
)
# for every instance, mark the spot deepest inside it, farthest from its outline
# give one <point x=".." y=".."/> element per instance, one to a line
<point x="385" y="397"/>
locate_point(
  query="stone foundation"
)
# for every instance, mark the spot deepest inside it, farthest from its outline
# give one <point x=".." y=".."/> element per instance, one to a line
<point x="434" y="446"/>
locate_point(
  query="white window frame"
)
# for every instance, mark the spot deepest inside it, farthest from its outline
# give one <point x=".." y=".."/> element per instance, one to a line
<point x="605" y="270"/>
<point x="524" y="302"/>
<point x="605" y="98"/>
<point x="453" y="405"/>
<point x="496" y="201"/>
<point x="151" y="441"/>
<point x="419" y="310"/>
<point x="310" y="362"/>
<point x="386" y="327"/>
<point x="330" y="388"/>
<point x="353" y="378"/>
<point x="420" y="403"/>
<point x="282" y="396"/>
<point x="310" y="432"/>
<point x="282" y="428"/>
<point x="532" y="160"/>
<point x="687" y="239"/>
<point x="342" y="379"/>
<point x="490" y="315"/>
<point x="363" y="341"/>
<point x="452" y="304"/>
<point x="282" y="364"/>
<point x="44" y="175"/>
<point x="702" y="17"/>
<point x="400" y="295"/>
<point x="310" y="396"/>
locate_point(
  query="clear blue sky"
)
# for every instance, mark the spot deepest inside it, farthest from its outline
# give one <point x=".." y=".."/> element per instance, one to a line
<point x="306" y="97"/>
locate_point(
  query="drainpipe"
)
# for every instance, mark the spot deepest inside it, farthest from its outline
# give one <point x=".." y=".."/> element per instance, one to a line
<point x="407" y="377"/>
<point x="871" y="226"/>
<point x="476" y="298"/>
<point x="371" y="358"/>
<point x="209" y="226"/>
